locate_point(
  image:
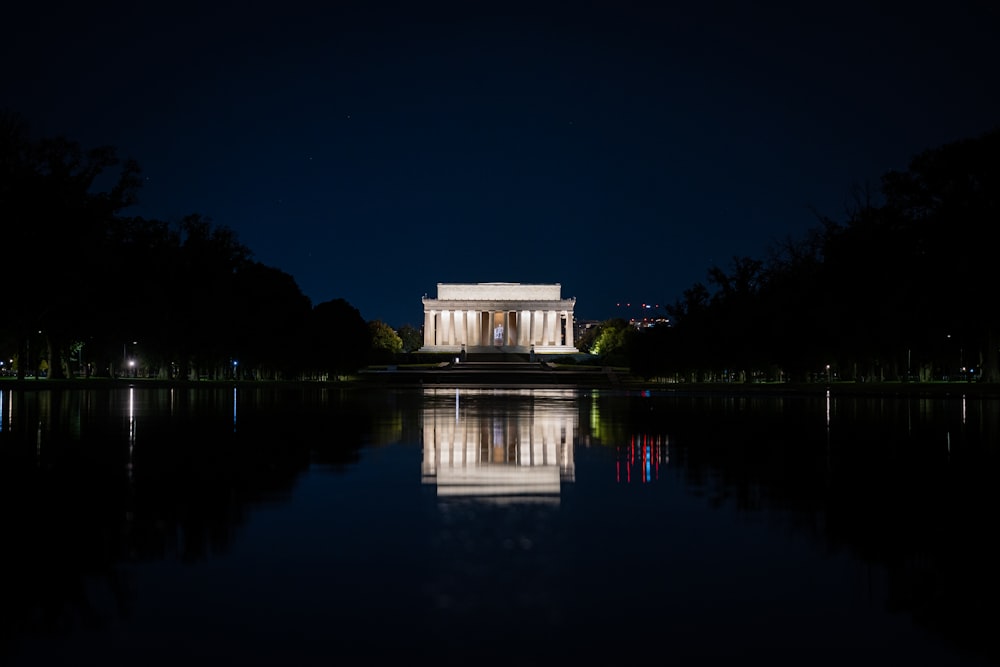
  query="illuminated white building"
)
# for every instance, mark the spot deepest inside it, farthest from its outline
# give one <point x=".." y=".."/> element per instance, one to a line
<point x="511" y="317"/>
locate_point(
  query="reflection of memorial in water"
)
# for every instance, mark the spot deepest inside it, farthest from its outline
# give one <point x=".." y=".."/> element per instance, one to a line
<point x="499" y="444"/>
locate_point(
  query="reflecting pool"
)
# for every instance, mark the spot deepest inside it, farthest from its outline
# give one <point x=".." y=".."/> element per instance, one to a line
<point x="314" y="526"/>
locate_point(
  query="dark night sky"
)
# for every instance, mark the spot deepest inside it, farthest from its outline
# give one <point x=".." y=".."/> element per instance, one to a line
<point x="373" y="150"/>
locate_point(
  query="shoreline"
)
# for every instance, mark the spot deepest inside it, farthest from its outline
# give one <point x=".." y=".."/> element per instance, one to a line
<point x="546" y="379"/>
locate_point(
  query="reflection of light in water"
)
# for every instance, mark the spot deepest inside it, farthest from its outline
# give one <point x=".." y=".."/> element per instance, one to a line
<point x="499" y="443"/>
<point x="131" y="429"/>
<point x="645" y="453"/>
<point x="828" y="407"/>
<point x="234" y="408"/>
<point x="1" y="410"/>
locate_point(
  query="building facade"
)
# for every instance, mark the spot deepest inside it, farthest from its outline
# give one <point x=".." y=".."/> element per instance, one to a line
<point x="510" y="317"/>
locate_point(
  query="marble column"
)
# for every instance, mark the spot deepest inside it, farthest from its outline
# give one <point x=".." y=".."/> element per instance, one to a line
<point x="445" y="327"/>
<point x="460" y="328"/>
<point x="429" y="327"/>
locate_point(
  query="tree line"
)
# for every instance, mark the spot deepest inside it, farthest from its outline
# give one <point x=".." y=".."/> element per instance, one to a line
<point x="92" y="291"/>
<point x="901" y="289"/>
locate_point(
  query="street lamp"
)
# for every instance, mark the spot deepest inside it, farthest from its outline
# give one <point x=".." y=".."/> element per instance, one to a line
<point x="126" y="362"/>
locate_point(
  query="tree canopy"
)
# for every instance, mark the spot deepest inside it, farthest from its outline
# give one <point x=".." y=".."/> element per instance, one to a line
<point x="99" y="292"/>
<point x="895" y="291"/>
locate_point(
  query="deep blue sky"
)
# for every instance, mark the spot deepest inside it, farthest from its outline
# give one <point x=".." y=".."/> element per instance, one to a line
<point x="373" y="150"/>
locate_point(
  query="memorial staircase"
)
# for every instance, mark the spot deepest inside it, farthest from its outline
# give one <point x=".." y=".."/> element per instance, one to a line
<point x="499" y="355"/>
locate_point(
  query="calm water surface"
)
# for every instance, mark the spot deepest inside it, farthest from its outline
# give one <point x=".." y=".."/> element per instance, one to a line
<point x="470" y="526"/>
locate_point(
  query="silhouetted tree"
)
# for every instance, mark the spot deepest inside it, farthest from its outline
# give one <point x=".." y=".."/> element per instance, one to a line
<point x="202" y="292"/>
<point x="56" y="224"/>
<point x="896" y="288"/>
<point x="340" y="341"/>
<point x="270" y="319"/>
<point x="652" y="352"/>
<point x="949" y="198"/>
<point x="184" y="298"/>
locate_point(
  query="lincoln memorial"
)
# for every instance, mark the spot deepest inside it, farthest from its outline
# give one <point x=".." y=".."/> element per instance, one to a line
<point x="508" y="317"/>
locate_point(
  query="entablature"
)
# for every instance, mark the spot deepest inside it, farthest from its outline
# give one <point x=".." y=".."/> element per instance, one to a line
<point x="497" y="305"/>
